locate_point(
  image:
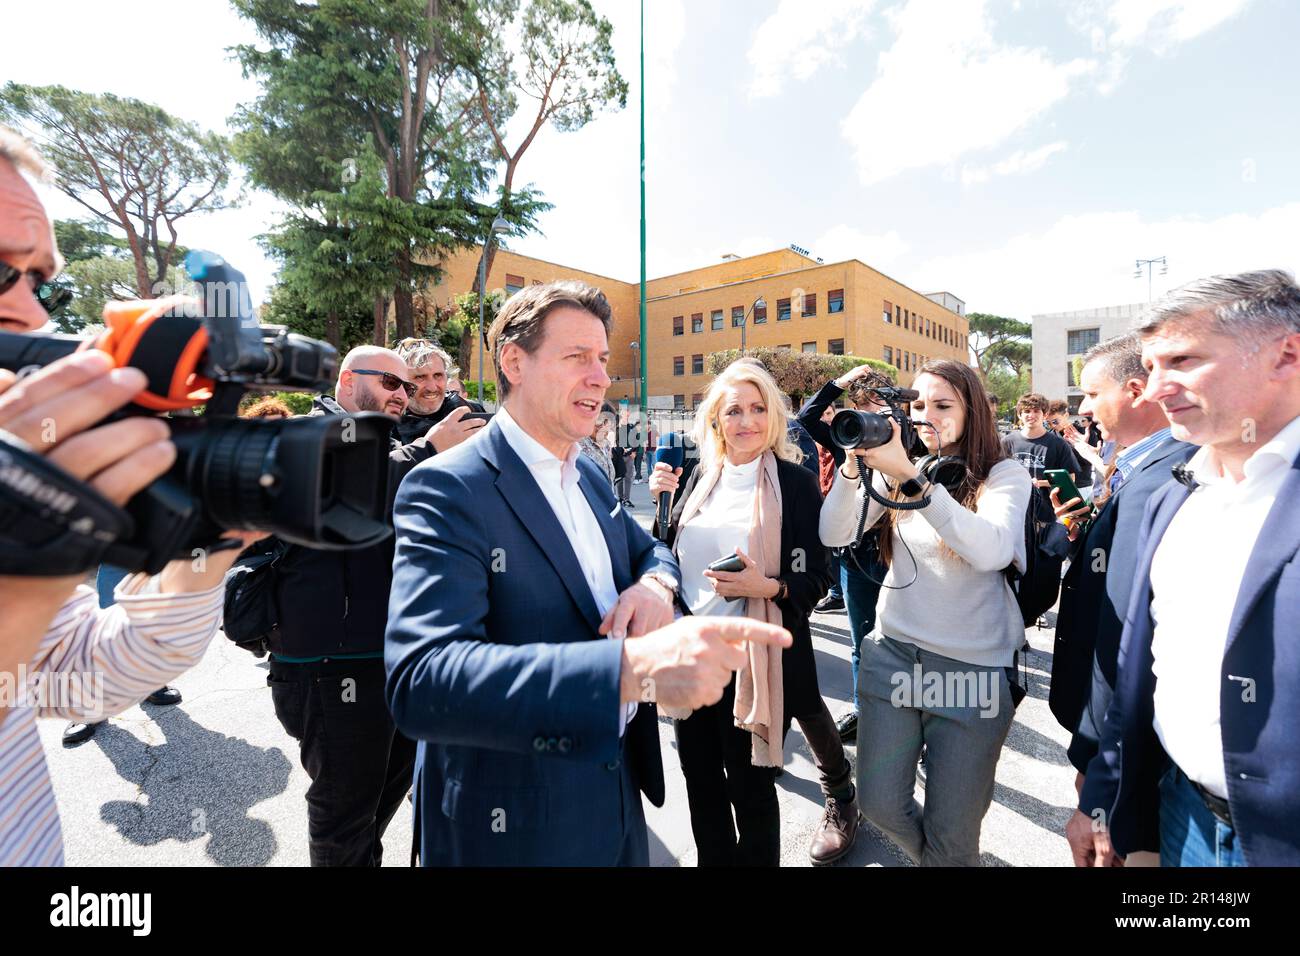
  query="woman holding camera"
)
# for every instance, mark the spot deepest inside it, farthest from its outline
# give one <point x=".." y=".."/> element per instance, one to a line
<point x="937" y="670"/>
<point x="752" y="501"/>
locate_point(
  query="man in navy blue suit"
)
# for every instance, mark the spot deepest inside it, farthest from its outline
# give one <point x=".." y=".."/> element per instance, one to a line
<point x="1198" y="757"/>
<point x="531" y="619"/>
<point x="1096" y="590"/>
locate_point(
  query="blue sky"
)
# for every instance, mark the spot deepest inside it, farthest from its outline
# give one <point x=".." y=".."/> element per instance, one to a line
<point x="1019" y="153"/>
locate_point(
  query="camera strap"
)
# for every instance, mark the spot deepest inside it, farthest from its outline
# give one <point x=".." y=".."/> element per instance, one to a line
<point x="51" y="524"/>
<point x="167" y="352"/>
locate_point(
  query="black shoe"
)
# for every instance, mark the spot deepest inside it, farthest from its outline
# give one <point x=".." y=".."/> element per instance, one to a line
<point x="829" y="603"/>
<point x="921" y="769"/>
<point x="628" y="505"/>
<point x="74" y="734"/>
<point x="164" y="696"/>
<point x="848" y="727"/>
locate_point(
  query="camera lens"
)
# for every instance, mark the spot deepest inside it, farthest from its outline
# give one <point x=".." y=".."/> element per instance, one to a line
<point x="853" y="429"/>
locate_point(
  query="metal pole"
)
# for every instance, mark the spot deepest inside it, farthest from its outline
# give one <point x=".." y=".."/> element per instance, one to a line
<point x="482" y="339"/>
<point x="643" y="329"/>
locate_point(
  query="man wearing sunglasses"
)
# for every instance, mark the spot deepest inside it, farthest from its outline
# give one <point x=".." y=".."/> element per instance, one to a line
<point x="53" y="626"/>
<point x="326" y="669"/>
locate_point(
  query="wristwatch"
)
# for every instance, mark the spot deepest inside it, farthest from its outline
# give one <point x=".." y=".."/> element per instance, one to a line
<point x="783" y="590"/>
<point x="912" y="487"/>
<point x="664" y="581"/>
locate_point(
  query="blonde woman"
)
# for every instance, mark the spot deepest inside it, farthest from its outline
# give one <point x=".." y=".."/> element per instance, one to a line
<point x="751" y="498"/>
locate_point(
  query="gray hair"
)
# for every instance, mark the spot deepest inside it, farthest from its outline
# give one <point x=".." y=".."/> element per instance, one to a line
<point x="1122" y="356"/>
<point x="15" y="148"/>
<point x="1251" y="306"/>
<point x="417" y="352"/>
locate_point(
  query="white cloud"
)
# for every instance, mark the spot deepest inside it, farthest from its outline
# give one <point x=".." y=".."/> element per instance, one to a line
<point x="946" y="88"/>
<point x="799" y="38"/>
<point x="1161" y="25"/>
<point x="1082" y="261"/>
<point x="1017" y="163"/>
<point x="878" y="250"/>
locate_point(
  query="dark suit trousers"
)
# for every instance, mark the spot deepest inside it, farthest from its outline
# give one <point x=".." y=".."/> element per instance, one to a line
<point x="360" y="766"/>
<point x="715" y="756"/>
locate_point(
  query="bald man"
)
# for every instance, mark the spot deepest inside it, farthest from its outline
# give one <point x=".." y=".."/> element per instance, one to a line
<point x="327" y="667"/>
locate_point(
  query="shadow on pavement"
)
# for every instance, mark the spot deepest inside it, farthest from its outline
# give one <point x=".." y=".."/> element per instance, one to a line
<point x="197" y="783"/>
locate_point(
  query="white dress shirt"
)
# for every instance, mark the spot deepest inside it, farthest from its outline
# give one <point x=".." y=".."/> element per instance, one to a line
<point x="558" y="482"/>
<point x="717" y="529"/>
<point x="1196" y="574"/>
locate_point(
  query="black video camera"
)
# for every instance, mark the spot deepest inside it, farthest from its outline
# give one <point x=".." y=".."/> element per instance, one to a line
<point x="852" y="429"/>
<point x="318" y="481"/>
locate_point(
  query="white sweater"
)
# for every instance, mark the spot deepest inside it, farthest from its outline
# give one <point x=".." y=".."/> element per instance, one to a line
<point x="960" y="604"/>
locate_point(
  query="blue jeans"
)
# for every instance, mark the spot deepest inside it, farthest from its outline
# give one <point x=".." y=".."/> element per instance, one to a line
<point x="1190" y="835"/>
<point x="837" y="587"/>
<point x="860" y="595"/>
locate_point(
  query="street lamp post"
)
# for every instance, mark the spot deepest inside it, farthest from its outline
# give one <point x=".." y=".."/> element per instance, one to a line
<point x="744" y="320"/>
<point x="499" y="227"/>
<point x="636" y="377"/>
<point x="1148" y="264"/>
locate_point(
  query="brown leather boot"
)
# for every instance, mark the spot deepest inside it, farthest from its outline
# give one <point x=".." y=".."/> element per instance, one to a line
<point x="839" y="828"/>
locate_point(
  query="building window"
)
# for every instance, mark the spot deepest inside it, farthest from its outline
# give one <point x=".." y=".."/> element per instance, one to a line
<point x="679" y="401"/>
<point x="782" y="310"/>
<point x="737" y="316"/>
<point x="835" y="346"/>
<point x="760" y="313"/>
<point x="696" y="399"/>
<point x="810" y="346"/>
<point x="786" y="347"/>
<point x="678" y="328"/>
<point x="927" y="329"/>
<point x="888" y="313"/>
<point x="889" y="355"/>
<point x="898" y="315"/>
<point x="697" y="364"/>
<point x="715" y="320"/>
<point x="810" y="303"/>
<point x="834" y="301"/>
<point x="679" y="364"/>
<point x="697" y="322"/>
<point x="1078" y="341"/>
<point x="513" y="284"/>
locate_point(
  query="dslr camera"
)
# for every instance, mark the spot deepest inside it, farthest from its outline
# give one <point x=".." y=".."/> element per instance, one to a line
<point x="852" y="429"/>
<point x="318" y="481"/>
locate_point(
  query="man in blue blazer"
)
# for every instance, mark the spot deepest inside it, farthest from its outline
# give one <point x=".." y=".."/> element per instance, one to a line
<point x="1199" y="756"/>
<point x="1096" y="589"/>
<point x="531" y="619"/>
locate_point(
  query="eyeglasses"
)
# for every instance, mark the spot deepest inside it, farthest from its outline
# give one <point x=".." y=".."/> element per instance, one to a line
<point x="389" y="381"/>
<point x="50" y="296"/>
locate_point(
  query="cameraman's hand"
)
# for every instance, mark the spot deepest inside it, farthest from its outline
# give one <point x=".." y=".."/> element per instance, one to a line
<point x="55" y="411"/>
<point x="890" y="459"/>
<point x="851" y="376"/>
<point x="206" y="569"/>
<point x="451" y="431"/>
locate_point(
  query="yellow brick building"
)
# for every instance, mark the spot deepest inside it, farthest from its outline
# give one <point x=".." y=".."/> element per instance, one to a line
<point x="840" y="308"/>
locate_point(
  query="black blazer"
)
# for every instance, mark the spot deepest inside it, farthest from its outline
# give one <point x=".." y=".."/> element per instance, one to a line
<point x="801" y="505"/>
<point x="1095" y="594"/>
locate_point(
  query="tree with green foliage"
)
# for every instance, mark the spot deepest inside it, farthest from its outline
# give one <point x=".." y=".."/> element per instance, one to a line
<point x="799" y="374"/>
<point x="995" y="340"/>
<point x="131" y="164"/>
<point x="561" y="60"/>
<point x="343" y="80"/>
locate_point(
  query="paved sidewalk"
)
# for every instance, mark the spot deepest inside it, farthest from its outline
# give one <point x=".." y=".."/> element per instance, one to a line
<point x="216" y="781"/>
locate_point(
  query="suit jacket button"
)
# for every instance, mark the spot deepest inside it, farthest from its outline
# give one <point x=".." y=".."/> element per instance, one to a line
<point x="614" y="764"/>
<point x="565" y="745"/>
<point x="539" y="744"/>
<point x="550" y="744"/>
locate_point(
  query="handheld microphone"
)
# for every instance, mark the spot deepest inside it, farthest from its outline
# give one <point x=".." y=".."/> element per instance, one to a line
<point x="670" y="452"/>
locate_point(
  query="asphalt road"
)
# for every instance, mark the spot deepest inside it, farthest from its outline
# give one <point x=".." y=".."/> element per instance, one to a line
<point x="216" y="781"/>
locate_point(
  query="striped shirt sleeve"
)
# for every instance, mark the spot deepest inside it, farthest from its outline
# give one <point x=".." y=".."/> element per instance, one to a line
<point x="105" y="660"/>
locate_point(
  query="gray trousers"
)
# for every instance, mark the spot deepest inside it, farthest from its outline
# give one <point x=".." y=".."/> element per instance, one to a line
<point x="961" y="713"/>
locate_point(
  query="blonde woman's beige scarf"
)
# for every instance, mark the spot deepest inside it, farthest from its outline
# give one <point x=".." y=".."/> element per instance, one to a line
<point x="760" y="697"/>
